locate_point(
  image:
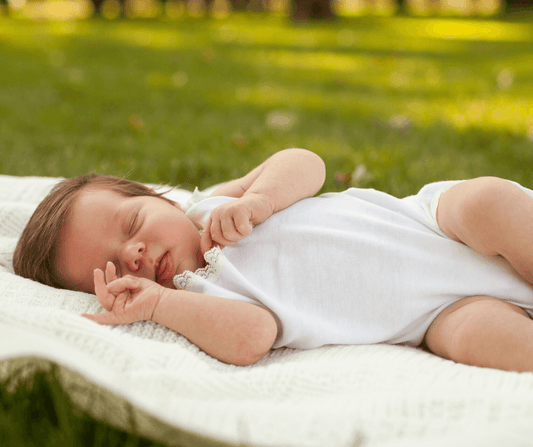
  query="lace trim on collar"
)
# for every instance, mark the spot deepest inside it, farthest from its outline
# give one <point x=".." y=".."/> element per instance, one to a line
<point x="214" y="258"/>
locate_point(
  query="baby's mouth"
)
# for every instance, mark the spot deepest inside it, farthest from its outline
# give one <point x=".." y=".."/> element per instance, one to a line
<point x="165" y="269"/>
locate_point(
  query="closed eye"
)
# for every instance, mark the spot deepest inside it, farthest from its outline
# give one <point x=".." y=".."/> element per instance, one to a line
<point x="133" y="224"/>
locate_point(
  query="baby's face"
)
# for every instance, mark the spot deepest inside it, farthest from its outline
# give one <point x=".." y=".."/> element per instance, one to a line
<point x="143" y="236"/>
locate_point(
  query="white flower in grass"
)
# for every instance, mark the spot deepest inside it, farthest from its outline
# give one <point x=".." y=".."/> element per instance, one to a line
<point x="505" y="79"/>
<point x="361" y="176"/>
<point x="180" y="79"/>
<point x="359" y="173"/>
<point x="281" y="120"/>
<point x="400" y="122"/>
<point x="75" y="75"/>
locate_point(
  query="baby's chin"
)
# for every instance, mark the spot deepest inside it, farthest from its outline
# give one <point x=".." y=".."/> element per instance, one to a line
<point x="186" y="265"/>
<point x="169" y="285"/>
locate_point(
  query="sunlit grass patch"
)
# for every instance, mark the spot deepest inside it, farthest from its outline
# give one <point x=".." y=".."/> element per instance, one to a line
<point x="462" y="29"/>
<point x="195" y="101"/>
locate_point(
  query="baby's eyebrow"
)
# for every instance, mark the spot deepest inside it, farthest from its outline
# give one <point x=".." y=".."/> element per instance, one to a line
<point x="120" y="216"/>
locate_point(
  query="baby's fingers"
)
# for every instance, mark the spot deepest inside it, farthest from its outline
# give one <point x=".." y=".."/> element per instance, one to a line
<point x="243" y="224"/>
<point x="100" y="289"/>
<point x="206" y="243"/>
<point x="122" y="284"/>
<point x="105" y="318"/>
<point x="110" y="272"/>
<point x="218" y="226"/>
<point x="206" y="240"/>
<point x="232" y="228"/>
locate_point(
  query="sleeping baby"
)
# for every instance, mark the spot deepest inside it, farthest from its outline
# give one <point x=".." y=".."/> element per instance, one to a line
<point x="263" y="263"/>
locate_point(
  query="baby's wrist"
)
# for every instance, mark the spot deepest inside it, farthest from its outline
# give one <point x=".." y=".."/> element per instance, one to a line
<point x="163" y="296"/>
<point x="268" y="204"/>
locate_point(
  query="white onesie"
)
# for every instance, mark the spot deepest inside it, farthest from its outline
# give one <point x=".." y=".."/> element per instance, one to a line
<point x="355" y="267"/>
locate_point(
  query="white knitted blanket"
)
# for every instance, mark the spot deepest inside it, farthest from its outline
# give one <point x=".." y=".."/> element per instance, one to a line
<point x="339" y="396"/>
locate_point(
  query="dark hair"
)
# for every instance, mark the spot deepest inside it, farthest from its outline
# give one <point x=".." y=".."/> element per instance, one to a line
<point x="35" y="254"/>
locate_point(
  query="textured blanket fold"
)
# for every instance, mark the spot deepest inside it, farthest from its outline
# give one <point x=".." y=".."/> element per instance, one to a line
<point x="375" y="396"/>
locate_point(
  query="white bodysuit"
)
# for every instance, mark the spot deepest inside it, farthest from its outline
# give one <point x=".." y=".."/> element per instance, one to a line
<point x="355" y="267"/>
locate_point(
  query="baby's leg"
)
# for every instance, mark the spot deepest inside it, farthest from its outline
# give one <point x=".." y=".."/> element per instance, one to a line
<point x="484" y="331"/>
<point x="492" y="216"/>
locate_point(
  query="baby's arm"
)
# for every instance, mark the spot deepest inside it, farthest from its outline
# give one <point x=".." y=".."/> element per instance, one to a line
<point x="286" y="177"/>
<point x="231" y="331"/>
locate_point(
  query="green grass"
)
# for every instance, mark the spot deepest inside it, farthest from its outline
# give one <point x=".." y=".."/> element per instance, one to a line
<point x="197" y="101"/>
<point x="35" y="411"/>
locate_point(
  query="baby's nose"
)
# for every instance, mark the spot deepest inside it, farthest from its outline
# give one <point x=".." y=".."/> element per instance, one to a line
<point x="134" y="257"/>
<point x="135" y="264"/>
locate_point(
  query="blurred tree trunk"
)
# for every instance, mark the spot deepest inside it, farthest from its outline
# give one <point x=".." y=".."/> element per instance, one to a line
<point x="256" y="6"/>
<point x="97" y="4"/>
<point x="239" y="5"/>
<point x="305" y="10"/>
<point x="4" y="7"/>
<point x="518" y="5"/>
<point x="402" y="7"/>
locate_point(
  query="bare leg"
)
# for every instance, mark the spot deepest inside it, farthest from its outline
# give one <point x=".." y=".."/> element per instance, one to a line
<point x="492" y="216"/>
<point x="484" y="331"/>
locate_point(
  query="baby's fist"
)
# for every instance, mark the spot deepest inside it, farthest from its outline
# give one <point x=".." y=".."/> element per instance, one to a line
<point x="230" y="222"/>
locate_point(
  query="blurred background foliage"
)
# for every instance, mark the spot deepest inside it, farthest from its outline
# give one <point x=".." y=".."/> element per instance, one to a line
<point x="299" y="10"/>
<point x="178" y="94"/>
<point x="389" y="101"/>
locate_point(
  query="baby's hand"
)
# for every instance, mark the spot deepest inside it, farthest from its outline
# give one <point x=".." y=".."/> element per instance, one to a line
<point x="230" y="222"/>
<point x="127" y="299"/>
